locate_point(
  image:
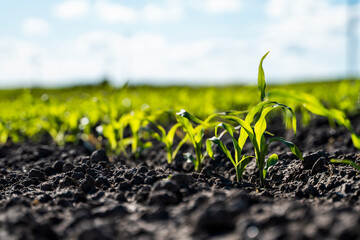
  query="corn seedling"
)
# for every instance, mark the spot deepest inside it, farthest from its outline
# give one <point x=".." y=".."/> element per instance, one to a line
<point x="348" y="162"/>
<point x="136" y="122"/>
<point x="114" y="133"/>
<point x="195" y="135"/>
<point x="313" y="105"/>
<point x="168" y="140"/>
<point x="238" y="161"/>
<point x="254" y="127"/>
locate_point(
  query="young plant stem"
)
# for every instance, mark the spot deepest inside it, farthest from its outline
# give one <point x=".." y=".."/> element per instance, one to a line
<point x="261" y="164"/>
<point x="169" y="157"/>
<point x="198" y="157"/>
<point x="238" y="173"/>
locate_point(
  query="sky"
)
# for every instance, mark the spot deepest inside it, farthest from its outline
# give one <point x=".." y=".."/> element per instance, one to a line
<point x="59" y="43"/>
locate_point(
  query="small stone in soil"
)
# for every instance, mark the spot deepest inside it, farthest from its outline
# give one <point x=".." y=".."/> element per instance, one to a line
<point x="167" y="185"/>
<point x="58" y="166"/>
<point x="68" y="167"/>
<point x="34" y="173"/>
<point x="318" y="166"/>
<point x="162" y="198"/>
<point x="88" y="186"/>
<point x="99" y="156"/>
<point x="68" y="181"/>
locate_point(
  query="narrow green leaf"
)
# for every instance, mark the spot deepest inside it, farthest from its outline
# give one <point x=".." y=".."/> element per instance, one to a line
<point x="145" y="145"/>
<point x="171" y="134"/>
<point x="199" y="135"/>
<point x="185" y="114"/>
<point x="241" y="165"/>
<point x="272" y="160"/>
<point x="348" y="162"/>
<point x="294" y="149"/>
<point x="245" y="160"/>
<point x="250" y="118"/>
<point x="261" y="125"/>
<point x="187" y="127"/>
<point x="211" y="117"/>
<point x="161" y="129"/>
<point x="156" y="136"/>
<point x="307" y="100"/>
<point x="269" y="133"/>
<point x="313" y="105"/>
<point x="261" y="79"/>
<point x="356" y="140"/>
<point x="246" y="126"/>
<point x="223" y="148"/>
<point x="209" y="148"/>
<point x="228" y="128"/>
<point x="233" y="112"/>
<point x="179" y="146"/>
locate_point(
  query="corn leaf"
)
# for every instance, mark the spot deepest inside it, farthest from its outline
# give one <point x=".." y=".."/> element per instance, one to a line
<point x="183" y="113"/>
<point x="171" y="134"/>
<point x="228" y="128"/>
<point x="209" y="144"/>
<point x="199" y="135"/>
<point x="187" y="127"/>
<point x="261" y="125"/>
<point x="272" y="160"/>
<point x="356" y="140"/>
<point x="244" y="162"/>
<point x="223" y="148"/>
<point x="294" y="149"/>
<point x="261" y="79"/>
<point x="348" y="162"/>
<point x="179" y="146"/>
<point x="313" y="105"/>
<point x="245" y="127"/>
<point x="250" y="118"/>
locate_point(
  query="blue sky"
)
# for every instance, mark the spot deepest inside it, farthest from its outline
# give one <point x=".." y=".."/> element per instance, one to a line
<point x="52" y="43"/>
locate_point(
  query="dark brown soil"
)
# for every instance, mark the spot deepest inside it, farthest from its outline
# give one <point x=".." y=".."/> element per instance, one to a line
<point x="48" y="192"/>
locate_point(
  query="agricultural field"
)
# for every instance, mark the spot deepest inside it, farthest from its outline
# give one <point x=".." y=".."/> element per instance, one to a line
<point x="181" y="162"/>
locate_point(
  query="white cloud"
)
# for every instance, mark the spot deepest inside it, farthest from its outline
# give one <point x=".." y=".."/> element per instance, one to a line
<point x="216" y="6"/>
<point x="115" y="12"/>
<point x="19" y="61"/>
<point x="142" y="56"/>
<point x="152" y="56"/>
<point x="171" y="10"/>
<point x="308" y="37"/>
<point x="303" y="39"/>
<point x="71" y="9"/>
<point x="35" y="26"/>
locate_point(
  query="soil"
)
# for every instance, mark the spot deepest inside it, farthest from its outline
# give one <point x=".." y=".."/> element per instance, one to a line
<point x="51" y="192"/>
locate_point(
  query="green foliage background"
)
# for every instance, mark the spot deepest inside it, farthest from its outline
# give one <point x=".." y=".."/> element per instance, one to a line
<point x="66" y="113"/>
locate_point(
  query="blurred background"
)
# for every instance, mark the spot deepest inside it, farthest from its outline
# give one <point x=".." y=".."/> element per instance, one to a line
<point x="165" y="42"/>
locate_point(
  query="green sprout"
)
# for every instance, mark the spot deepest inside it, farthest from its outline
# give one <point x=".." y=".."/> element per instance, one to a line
<point x="261" y="79"/>
<point x="195" y="135"/>
<point x="348" y="162"/>
<point x="313" y="105"/>
<point x="254" y="127"/>
<point x="136" y="122"/>
<point x="168" y="140"/>
<point x="238" y="161"/>
<point x="114" y="133"/>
